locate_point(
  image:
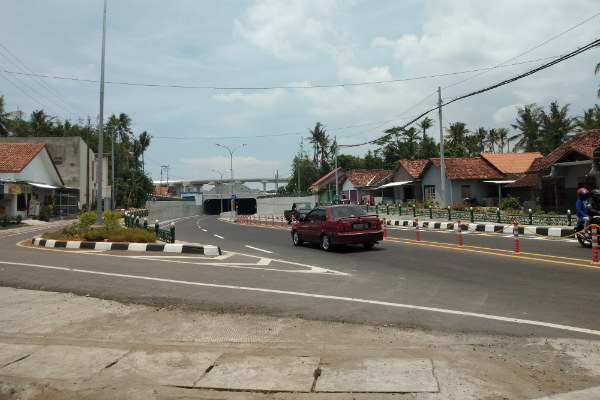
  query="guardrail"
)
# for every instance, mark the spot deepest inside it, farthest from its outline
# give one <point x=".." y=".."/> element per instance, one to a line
<point x="475" y="216"/>
<point x="132" y="220"/>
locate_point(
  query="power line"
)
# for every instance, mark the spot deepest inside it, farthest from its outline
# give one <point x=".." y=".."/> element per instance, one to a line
<point x="505" y="82"/>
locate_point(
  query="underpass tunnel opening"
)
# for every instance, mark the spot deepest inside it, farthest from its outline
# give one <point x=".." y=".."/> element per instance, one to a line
<point x="215" y="206"/>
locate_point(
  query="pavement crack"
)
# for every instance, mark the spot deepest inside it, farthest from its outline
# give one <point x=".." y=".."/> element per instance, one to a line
<point x="316" y="376"/>
<point x="15" y="361"/>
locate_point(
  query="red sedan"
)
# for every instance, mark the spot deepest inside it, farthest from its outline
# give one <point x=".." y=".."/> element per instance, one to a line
<point x="338" y="224"/>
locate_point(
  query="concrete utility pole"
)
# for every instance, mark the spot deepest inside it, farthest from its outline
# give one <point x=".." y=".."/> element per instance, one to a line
<point x="100" y="126"/>
<point x="166" y="169"/>
<point x="336" y="167"/>
<point x="442" y="166"/>
<point x="300" y="162"/>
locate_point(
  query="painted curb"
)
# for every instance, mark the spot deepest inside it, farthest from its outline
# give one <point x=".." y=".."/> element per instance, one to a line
<point x="157" y="247"/>
<point x="490" y="228"/>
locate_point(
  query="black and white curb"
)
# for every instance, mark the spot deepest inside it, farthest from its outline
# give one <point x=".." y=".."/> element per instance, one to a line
<point x="164" y="247"/>
<point x="531" y="230"/>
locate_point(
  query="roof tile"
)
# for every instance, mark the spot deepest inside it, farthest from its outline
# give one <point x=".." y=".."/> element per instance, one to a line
<point x="14" y="157"/>
<point x="467" y="168"/>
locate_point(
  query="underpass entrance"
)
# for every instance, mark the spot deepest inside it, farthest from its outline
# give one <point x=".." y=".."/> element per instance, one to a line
<point x="214" y="206"/>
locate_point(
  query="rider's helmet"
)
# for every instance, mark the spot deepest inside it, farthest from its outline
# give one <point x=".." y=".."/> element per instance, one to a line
<point x="596" y="194"/>
<point x="582" y="193"/>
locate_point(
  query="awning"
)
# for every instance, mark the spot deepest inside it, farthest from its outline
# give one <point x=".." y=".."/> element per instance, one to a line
<point x="393" y="184"/>
<point x="43" y="186"/>
<point x="500" y="182"/>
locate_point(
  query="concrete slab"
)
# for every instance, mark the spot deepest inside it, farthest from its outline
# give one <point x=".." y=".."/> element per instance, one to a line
<point x="171" y="368"/>
<point x="10" y="353"/>
<point x="67" y="363"/>
<point x="385" y="375"/>
<point x="276" y="374"/>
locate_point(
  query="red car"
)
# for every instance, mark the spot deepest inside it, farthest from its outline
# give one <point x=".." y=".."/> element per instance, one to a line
<point x="338" y="224"/>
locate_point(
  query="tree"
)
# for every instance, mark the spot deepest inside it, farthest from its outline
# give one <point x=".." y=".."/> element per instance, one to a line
<point x="40" y="124"/>
<point x="528" y="123"/>
<point x="590" y="119"/>
<point x="456" y="139"/>
<point x="308" y="175"/>
<point x="348" y="162"/>
<point x="372" y="161"/>
<point x="595" y="72"/>
<point x="4" y="120"/>
<point x="555" y="127"/>
<point x="503" y="139"/>
<point x="144" y="141"/>
<point x="320" y="142"/>
<point x="425" y="124"/>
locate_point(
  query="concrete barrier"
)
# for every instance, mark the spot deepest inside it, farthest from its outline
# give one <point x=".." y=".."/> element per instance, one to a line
<point x="168" y="210"/>
<point x="276" y="205"/>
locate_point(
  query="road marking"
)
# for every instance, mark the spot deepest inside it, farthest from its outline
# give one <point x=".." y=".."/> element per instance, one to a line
<point x="220" y="237"/>
<point x="204" y="230"/>
<point x="256" y="248"/>
<point x="327" y="297"/>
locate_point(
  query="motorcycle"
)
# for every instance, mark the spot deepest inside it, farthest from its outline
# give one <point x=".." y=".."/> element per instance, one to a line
<point x="471" y="201"/>
<point x="583" y="239"/>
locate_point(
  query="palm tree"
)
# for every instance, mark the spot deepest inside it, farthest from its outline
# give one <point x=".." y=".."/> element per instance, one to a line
<point x="4" y="121"/>
<point x="320" y="142"/>
<point x="590" y="119"/>
<point x="456" y="138"/>
<point x="425" y="124"/>
<point x="481" y="135"/>
<point x="144" y="141"/>
<point x="503" y="139"/>
<point x="596" y="71"/>
<point x="492" y="140"/>
<point x="123" y="128"/>
<point x="555" y="127"/>
<point x="40" y="124"/>
<point x="528" y="123"/>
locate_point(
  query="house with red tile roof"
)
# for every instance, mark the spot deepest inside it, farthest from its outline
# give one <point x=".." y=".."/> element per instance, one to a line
<point x="406" y="180"/>
<point x="365" y="182"/>
<point x="463" y="177"/>
<point x="552" y="181"/>
<point x="325" y="187"/>
<point x="29" y="178"/>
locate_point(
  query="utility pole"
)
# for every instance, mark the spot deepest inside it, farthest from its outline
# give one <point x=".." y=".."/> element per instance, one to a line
<point x="166" y="169"/>
<point x="336" y="167"/>
<point x="87" y="169"/>
<point x="100" y="126"/>
<point x="442" y="166"/>
<point x="300" y="161"/>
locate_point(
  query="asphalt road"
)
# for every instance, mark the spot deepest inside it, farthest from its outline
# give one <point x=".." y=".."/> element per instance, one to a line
<point x="550" y="289"/>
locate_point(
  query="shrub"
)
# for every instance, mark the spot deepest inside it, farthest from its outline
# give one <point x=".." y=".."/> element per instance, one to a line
<point x="18" y="219"/>
<point x="87" y="219"/>
<point x="510" y="203"/>
<point x="134" y="235"/>
<point x="111" y="219"/>
<point x="4" y="220"/>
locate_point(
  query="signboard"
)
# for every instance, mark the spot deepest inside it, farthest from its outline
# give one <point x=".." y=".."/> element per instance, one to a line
<point x="14" y="189"/>
<point x="233" y="197"/>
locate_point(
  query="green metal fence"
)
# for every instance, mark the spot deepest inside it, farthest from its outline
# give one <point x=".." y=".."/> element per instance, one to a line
<point x="474" y="216"/>
<point x="132" y="220"/>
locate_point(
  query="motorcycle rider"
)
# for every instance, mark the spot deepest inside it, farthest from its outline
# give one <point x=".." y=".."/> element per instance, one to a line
<point x="580" y="207"/>
<point x="593" y="205"/>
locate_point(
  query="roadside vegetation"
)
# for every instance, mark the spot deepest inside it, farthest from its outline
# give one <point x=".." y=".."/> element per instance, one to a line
<point x="110" y="231"/>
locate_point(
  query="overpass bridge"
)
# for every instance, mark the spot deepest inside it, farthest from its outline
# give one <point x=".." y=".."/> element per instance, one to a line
<point x="195" y="185"/>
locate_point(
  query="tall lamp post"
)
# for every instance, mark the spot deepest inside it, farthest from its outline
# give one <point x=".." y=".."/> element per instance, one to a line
<point x="231" y="170"/>
<point x="221" y="189"/>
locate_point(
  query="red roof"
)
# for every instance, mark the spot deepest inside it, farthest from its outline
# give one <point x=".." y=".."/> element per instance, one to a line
<point x="511" y="163"/>
<point x="467" y="168"/>
<point x="14" y="157"/>
<point x="315" y="186"/>
<point x="367" y="177"/>
<point x="414" y="167"/>
<point x="583" y="143"/>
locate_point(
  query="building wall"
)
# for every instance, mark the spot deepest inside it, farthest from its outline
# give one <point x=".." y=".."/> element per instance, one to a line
<point x="69" y="154"/>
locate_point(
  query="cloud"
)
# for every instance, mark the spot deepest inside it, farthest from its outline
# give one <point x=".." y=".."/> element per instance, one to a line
<point x="262" y="168"/>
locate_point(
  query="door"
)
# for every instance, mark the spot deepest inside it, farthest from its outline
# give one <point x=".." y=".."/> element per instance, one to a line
<point x="305" y="228"/>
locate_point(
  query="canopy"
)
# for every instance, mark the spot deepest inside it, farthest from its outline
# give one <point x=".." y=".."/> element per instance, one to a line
<point x="393" y="184"/>
<point x="43" y="186"/>
<point x="499" y="182"/>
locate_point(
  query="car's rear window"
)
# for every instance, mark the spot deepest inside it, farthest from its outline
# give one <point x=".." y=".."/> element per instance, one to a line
<point x="346" y="211"/>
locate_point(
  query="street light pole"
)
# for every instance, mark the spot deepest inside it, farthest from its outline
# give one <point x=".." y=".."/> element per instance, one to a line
<point x="221" y="189"/>
<point x="231" y="170"/>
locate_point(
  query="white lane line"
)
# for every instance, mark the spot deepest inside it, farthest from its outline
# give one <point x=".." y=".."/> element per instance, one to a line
<point x="220" y="237"/>
<point x="256" y="248"/>
<point x="204" y="230"/>
<point x="328" y="297"/>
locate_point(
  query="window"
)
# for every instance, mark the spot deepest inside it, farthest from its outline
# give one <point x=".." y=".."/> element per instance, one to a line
<point x="321" y="216"/>
<point x="311" y="216"/>
<point x="429" y="192"/>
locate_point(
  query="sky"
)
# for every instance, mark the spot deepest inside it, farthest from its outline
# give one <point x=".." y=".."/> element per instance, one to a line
<point x="256" y="76"/>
